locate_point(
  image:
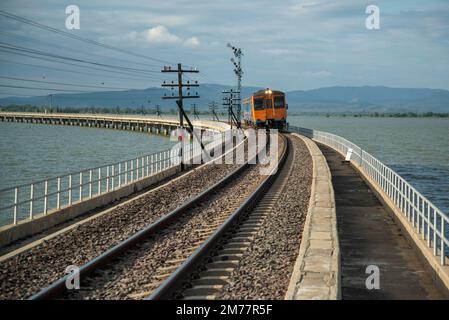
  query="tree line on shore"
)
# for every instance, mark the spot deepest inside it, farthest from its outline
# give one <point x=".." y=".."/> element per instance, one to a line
<point x="173" y="111"/>
<point x="117" y="110"/>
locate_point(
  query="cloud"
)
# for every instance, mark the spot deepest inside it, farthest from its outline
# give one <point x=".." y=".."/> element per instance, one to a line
<point x="160" y="34"/>
<point x="192" y="42"/>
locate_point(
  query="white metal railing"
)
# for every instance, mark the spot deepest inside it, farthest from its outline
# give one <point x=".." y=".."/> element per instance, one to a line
<point x="428" y="221"/>
<point x="38" y="198"/>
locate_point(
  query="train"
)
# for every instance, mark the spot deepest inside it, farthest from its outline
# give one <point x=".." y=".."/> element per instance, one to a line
<point x="266" y="109"/>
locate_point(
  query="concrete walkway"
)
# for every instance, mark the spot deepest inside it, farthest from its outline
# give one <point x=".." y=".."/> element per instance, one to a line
<point x="369" y="236"/>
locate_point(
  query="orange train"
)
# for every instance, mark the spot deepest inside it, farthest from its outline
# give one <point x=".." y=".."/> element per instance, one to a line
<point x="266" y="109"/>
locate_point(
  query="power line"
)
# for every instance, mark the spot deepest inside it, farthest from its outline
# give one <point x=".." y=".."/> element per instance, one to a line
<point x="73" y="71"/>
<point x="82" y="66"/>
<point x="73" y="36"/>
<point x="8" y="46"/>
<point x="64" y="84"/>
<point x="47" y="89"/>
<point x="52" y="45"/>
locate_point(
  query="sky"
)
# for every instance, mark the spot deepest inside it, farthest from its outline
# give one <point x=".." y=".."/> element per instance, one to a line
<point x="287" y="45"/>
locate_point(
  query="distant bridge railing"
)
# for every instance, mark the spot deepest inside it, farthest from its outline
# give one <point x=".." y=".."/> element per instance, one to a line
<point x="30" y="200"/>
<point x="427" y="220"/>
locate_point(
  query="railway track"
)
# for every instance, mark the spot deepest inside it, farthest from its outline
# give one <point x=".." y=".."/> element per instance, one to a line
<point x="109" y="275"/>
<point x="205" y="272"/>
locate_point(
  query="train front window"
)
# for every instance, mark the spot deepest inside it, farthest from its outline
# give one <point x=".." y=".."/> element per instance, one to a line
<point x="278" y="102"/>
<point x="268" y="104"/>
<point x="258" y="104"/>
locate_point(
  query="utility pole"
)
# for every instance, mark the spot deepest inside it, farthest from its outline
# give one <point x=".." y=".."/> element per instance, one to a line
<point x="232" y="98"/>
<point x="212" y="108"/>
<point x="239" y="73"/>
<point x="194" y="112"/>
<point x="179" y="101"/>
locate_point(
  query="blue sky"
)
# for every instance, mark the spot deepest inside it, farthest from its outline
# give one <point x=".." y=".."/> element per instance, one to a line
<point x="287" y="45"/>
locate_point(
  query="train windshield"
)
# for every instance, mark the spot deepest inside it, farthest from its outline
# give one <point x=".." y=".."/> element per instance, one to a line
<point x="278" y="102"/>
<point x="258" y="104"/>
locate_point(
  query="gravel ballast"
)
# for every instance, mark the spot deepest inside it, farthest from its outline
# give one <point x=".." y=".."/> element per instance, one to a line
<point x="265" y="268"/>
<point x="26" y="273"/>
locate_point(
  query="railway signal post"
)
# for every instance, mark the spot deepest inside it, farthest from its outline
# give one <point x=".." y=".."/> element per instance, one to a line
<point x="239" y="73"/>
<point x="232" y="98"/>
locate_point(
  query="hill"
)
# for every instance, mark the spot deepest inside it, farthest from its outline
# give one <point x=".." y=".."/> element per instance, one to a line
<point x="330" y="99"/>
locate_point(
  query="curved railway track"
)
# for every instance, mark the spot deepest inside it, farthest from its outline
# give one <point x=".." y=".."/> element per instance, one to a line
<point x="167" y="236"/>
<point x="205" y="272"/>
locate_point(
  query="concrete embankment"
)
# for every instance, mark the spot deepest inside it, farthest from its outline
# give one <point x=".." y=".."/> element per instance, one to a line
<point x="316" y="274"/>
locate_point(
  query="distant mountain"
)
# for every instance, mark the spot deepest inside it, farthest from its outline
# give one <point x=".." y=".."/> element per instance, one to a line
<point x="370" y="99"/>
<point x="330" y="99"/>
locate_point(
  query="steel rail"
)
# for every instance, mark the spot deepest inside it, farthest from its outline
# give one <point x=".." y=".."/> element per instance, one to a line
<point x="58" y="287"/>
<point x="175" y="282"/>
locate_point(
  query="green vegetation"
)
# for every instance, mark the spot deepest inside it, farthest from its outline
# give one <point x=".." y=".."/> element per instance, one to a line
<point x="117" y="110"/>
<point x="375" y="114"/>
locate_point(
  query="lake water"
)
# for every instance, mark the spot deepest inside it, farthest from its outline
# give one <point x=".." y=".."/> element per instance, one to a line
<point x="416" y="148"/>
<point x="30" y="152"/>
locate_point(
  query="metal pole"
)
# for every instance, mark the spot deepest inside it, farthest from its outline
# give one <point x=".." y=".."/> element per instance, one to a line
<point x="99" y="180"/>
<point x="58" y="194"/>
<point x="90" y="183"/>
<point x="70" y="189"/>
<point x="45" y="196"/>
<point x="16" y="205"/>
<point x="120" y="174"/>
<point x="31" y="200"/>
<point x="81" y="186"/>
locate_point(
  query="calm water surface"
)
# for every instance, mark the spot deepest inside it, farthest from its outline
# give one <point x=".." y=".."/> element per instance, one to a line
<point x="30" y="152"/>
<point x="416" y="148"/>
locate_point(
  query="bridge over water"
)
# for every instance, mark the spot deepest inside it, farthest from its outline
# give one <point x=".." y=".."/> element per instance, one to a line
<point x="335" y="215"/>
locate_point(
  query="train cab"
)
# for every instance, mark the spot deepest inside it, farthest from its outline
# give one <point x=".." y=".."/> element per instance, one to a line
<point x="266" y="108"/>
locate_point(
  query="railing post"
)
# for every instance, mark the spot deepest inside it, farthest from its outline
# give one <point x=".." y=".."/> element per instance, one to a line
<point x="58" y="193"/>
<point x="423" y="225"/>
<point x="112" y="177"/>
<point x="434" y="232"/>
<point x="120" y="174"/>
<point x="107" y="179"/>
<point x="147" y="166"/>
<point x="428" y="225"/>
<point x="143" y="166"/>
<point x="442" y="242"/>
<point x="81" y="186"/>
<point x="126" y="172"/>
<point x="31" y="200"/>
<point x="16" y="204"/>
<point x="90" y="183"/>
<point x="70" y="189"/>
<point x="152" y="164"/>
<point x="99" y="180"/>
<point x="45" y="197"/>
<point x="132" y="170"/>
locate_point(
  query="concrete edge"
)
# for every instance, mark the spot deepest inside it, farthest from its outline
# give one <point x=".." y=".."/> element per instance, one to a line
<point x="438" y="273"/>
<point x="317" y="272"/>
